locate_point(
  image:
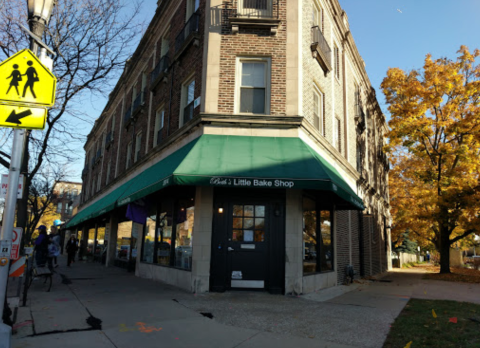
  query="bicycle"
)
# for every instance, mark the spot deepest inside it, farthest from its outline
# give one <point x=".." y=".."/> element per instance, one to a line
<point x="37" y="272"/>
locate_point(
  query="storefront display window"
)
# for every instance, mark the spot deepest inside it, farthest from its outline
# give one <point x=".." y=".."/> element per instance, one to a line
<point x="164" y="233"/>
<point x="100" y="241"/>
<point x="171" y="229"/>
<point x="317" y="238"/>
<point x="91" y="240"/>
<point x="184" y="229"/>
<point x="124" y="238"/>
<point x="149" y="239"/>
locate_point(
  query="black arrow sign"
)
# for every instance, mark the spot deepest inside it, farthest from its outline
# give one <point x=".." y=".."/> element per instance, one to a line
<point x="15" y="118"/>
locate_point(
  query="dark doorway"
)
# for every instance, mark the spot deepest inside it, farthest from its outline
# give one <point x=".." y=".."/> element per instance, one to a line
<point x="248" y="242"/>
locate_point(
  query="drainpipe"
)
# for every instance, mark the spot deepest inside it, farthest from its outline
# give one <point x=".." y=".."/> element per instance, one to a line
<point x="345" y="114"/>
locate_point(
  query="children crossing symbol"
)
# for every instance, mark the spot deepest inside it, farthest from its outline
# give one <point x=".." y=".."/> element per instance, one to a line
<point x="30" y="83"/>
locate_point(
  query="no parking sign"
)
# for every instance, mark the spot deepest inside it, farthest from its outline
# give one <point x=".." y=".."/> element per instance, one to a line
<point x="15" y="246"/>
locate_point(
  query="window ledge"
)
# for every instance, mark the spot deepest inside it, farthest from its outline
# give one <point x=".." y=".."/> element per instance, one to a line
<point x="237" y="22"/>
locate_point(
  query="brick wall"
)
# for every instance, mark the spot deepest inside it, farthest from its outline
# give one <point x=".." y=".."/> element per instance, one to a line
<point x="342" y="244"/>
<point x="253" y="42"/>
<point x="167" y="94"/>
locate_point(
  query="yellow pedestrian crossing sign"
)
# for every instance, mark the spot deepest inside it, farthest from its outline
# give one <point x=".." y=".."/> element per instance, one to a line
<point x="26" y="81"/>
<point x="26" y="117"/>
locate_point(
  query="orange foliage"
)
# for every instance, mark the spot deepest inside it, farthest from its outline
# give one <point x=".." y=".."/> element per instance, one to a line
<point x="434" y="144"/>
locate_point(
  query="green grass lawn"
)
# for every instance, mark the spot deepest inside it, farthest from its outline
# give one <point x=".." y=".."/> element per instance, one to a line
<point x="417" y="324"/>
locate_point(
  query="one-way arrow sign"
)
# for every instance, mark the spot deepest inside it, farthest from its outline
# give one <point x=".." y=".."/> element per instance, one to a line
<point x="15" y="118"/>
<point x="22" y="117"/>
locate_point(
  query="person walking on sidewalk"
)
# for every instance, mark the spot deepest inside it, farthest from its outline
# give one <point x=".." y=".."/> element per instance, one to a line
<point x="71" y="249"/>
<point x="54" y="249"/>
<point x="41" y="246"/>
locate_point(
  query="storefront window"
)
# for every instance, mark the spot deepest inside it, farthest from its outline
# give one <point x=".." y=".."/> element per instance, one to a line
<point x="164" y="233"/>
<point x="184" y="230"/>
<point x="168" y="234"/>
<point x="317" y="238"/>
<point x="91" y="240"/>
<point x="124" y="238"/>
<point x="309" y="236"/>
<point x="100" y="241"/>
<point x="149" y="239"/>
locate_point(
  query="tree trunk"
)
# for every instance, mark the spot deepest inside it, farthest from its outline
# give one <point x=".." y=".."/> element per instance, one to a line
<point x="444" y="250"/>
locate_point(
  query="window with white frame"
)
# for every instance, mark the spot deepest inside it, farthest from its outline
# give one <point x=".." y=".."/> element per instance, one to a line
<point x="129" y="155"/>
<point x="318" y="110"/>
<point x="165" y="45"/>
<point x="138" y="145"/>
<point x="192" y="7"/>
<point x="253" y="85"/>
<point x="188" y="100"/>
<point x="159" y="120"/>
<point x="317" y="16"/>
<point x="337" y="135"/>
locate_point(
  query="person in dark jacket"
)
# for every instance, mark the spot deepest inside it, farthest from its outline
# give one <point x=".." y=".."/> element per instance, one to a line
<point x="71" y="249"/>
<point x="41" y="246"/>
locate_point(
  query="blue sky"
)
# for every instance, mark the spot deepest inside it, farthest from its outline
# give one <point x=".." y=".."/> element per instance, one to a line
<point x="387" y="38"/>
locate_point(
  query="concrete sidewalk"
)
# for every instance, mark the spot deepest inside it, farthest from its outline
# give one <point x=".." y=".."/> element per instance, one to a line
<point x="90" y="305"/>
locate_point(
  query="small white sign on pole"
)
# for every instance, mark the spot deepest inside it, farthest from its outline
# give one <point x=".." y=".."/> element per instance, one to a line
<point x="3" y="191"/>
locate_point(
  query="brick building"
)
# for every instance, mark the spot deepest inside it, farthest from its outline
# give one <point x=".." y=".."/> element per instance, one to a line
<point x="66" y="193"/>
<point x="241" y="148"/>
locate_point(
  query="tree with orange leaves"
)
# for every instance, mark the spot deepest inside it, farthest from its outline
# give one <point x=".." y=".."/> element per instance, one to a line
<point x="434" y="144"/>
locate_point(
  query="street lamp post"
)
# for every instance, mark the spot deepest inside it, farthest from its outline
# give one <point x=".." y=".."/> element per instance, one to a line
<point x="39" y="12"/>
<point x="38" y="16"/>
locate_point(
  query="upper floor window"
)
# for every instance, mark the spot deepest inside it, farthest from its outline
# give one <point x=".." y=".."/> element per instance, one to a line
<point x="337" y="135"/>
<point x="159" y="120"/>
<point x="59" y="208"/>
<point x="138" y="146"/>
<point x="255" y="8"/>
<point x="129" y="155"/>
<point x="336" y="59"/>
<point x="188" y="100"/>
<point x="318" y="110"/>
<point x="107" y="179"/>
<point x="253" y="85"/>
<point x="144" y="86"/>
<point x="192" y="7"/>
<point x="165" y="45"/>
<point x="99" y="181"/>
<point x="359" y="157"/>
<point x="317" y="17"/>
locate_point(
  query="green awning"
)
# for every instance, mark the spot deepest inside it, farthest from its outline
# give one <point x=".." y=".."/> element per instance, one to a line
<point x="100" y="207"/>
<point x="234" y="161"/>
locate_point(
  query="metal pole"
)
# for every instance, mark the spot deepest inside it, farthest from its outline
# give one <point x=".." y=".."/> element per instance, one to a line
<point x="8" y="222"/>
